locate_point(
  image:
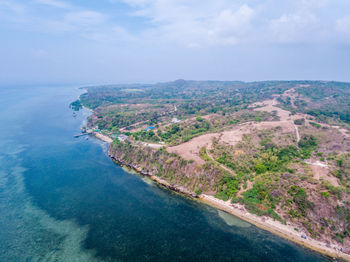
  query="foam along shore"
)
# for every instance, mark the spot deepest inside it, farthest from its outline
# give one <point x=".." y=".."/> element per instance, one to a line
<point x="285" y="231"/>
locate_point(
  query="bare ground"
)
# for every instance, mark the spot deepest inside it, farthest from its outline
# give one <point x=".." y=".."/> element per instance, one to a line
<point x="321" y="171"/>
<point x="190" y="150"/>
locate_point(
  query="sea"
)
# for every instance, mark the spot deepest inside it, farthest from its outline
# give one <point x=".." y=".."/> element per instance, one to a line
<point x="63" y="199"/>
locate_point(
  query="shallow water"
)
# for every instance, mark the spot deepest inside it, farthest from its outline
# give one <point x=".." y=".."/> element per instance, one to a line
<point x="63" y="199"/>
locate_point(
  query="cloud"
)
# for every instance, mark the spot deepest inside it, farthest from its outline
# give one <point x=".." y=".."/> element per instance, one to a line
<point x="12" y="13"/>
<point x="84" y="18"/>
<point x="189" y="23"/>
<point x="229" y="27"/>
<point x="312" y="4"/>
<point x="342" y="28"/>
<point x="117" y="34"/>
<point x="343" y="25"/>
<point x="292" y="27"/>
<point x="194" y="23"/>
<point x="64" y="18"/>
<point x="300" y="23"/>
<point x="12" y="7"/>
<point x="53" y="3"/>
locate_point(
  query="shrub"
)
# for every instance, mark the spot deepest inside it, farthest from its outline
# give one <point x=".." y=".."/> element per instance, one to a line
<point x="325" y="194"/>
<point x="198" y="191"/>
<point x="315" y="124"/>
<point x="260" y="168"/>
<point x="300" y="199"/>
<point x="308" y="141"/>
<point x="299" y="122"/>
<point x="199" y="118"/>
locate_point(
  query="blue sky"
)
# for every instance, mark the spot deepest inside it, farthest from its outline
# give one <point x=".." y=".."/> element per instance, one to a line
<point x="126" y="41"/>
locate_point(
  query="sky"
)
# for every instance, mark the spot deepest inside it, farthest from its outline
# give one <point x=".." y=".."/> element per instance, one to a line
<point x="147" y="41"/>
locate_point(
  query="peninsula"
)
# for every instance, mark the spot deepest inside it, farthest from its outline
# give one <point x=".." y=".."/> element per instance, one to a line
<point x="273" y="153"/>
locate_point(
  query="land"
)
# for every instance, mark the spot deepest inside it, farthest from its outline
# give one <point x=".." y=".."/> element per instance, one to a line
<point x="273" y="153"/>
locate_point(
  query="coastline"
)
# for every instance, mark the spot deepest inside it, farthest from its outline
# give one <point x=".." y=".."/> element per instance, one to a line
<point x="103" y="137"/>
<point x="266" y="223"/>
<point x="275" y="227"/>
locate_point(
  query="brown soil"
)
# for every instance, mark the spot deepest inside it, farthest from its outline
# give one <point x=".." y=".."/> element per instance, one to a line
<point x="190" y="150"/>
<point x="270" y="106"/>
<point x="321" y="171"/>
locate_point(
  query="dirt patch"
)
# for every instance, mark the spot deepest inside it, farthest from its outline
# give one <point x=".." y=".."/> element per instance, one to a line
<point x="190" y="150"/>
<point x="239" y="152"/>
<point x="292" y="94"/>
<point x="321" y="171"/>
<point x="270" y="106"/>
<point x="242" y="190"/>
<point x="344" y="131"/>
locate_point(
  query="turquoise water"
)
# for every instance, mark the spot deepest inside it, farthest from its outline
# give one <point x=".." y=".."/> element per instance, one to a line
<point x="63" y="199"/>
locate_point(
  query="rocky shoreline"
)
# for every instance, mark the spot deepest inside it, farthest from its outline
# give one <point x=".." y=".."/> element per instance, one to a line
<point x="287" y="233"/>
<point x="164" y="183"/>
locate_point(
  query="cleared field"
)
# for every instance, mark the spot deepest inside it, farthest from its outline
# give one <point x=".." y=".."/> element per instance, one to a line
<point x="190" y="150"/>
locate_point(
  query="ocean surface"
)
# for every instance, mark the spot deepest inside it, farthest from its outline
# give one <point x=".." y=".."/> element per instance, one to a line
<point x="63" y="199"/>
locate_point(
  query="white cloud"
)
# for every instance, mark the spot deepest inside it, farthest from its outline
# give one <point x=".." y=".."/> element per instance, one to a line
<point x="191" y="23"/>
<point x="65" y="18"/>
<point x="117" y="34"/>
<point x="12" y="13"/>
<point x="312" y="4"/>
<point x="228" y="27"/>
<point x="195" y="23"/>
<point x="342" y="28"/>
<point x="53" y="3"/>
<point x="13" y="7"/>
<point x="343" y="25"/>
<point x="79" y="22"/>
<point x="299" y="23"/>
<point x="292" y="27"/>
<point x="84" y="18"/>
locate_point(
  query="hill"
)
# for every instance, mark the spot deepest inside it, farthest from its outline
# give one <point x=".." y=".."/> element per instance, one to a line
<point x="276" y="149"/>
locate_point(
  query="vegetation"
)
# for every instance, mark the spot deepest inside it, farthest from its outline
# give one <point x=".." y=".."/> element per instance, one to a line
<point x="299" y="121"/>
<point x="307" y="144"/>
<point x="76" y="105"/>
<point x="327" y="100"/>
<point x="168" y="166"/>
<point x="264" y="162"/>
<point x="147" y="136"/>
<point x="268" y="171"/>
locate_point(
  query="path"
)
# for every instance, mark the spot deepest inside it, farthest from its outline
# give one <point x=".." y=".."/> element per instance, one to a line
<point x="297" y="133"/>
<point x="219" y="164"/>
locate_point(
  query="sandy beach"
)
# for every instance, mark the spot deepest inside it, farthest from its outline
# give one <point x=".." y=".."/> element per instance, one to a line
<point x="266" y="223"/>
<point x="275" y="227"/>
<point x="103" y="137"/>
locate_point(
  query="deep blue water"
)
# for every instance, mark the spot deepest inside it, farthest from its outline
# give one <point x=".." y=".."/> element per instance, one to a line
<point x="63" y="199"/>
